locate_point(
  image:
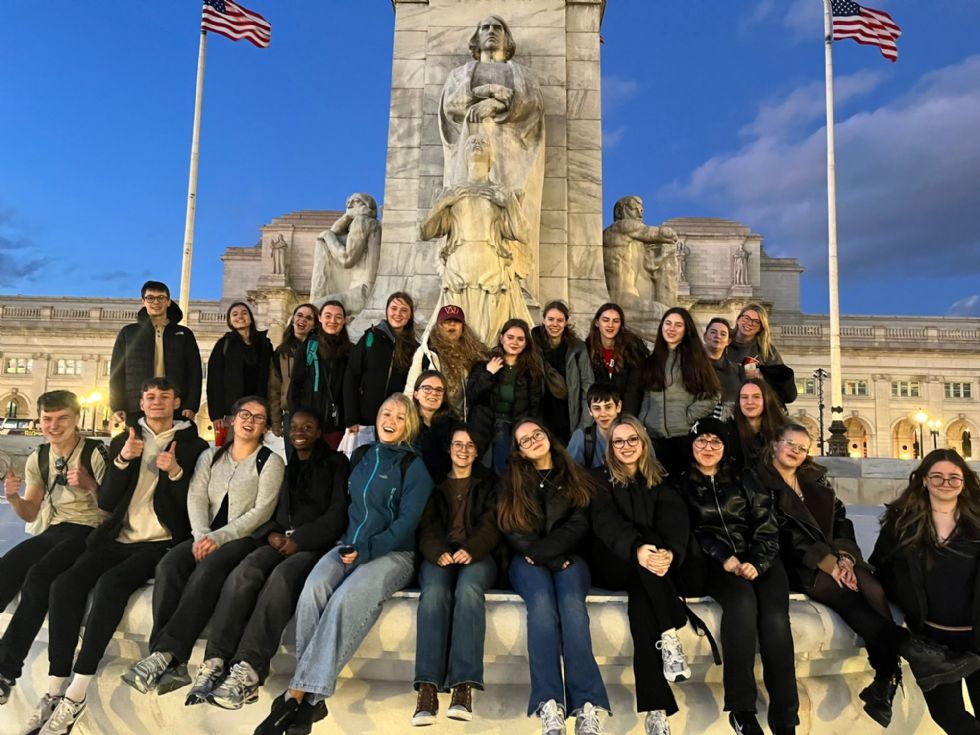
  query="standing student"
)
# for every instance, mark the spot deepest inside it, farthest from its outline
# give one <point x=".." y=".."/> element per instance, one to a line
<point x="642" y="528"/>
<point x="927" y="558"/>
<point x="542" y="510"/>
<point x="457" y="536"/>
<point x="233" y="492"/>
<point x="752" y="350"/>
<point x="568" y="372"/>
<point x="145" y="492"/>
<point x="734" y="527"/>
<point x="388" y="487"/>
<point x="259" y="596"/>
<point x="588" y="444"/>
<point x="63" y="479"/>
<point x="379" y="363"/>
<point x="238" y="366"/>
<point x="717" y="337"/>
<point x="317" y="382"/>
<point x="758" y="418"/>
<point x="680" y="387"/>
<point x="617" y="355"/>
<point x="436" y="422"/>
<point x="301" y="324"/>
<point x="509" y="385"/>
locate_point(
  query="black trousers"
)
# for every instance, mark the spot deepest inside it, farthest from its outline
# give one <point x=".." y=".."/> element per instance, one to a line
<point x="186" y="591"/>
<point x="867" y="613"/>
<point x="653" y="606"/>
<point x="30" y="568"/>
<point x="945" y="702"/>
<point x="257" y="602"/>
<point x="112" y="572"/>
<point x="751" y="612"/>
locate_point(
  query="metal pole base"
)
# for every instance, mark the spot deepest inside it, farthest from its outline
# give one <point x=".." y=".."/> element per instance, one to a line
<point x="837" y="444"/>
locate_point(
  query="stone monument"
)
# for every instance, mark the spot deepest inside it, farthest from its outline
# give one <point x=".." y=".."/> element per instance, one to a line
<point x="740" y="273"/>
<point x="280" y="256"/>
<point x="345" y="258"/>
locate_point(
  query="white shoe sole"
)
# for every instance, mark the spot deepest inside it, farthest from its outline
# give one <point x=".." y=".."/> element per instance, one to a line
<point x="458" y="713"/>
<point x="423" y="720"/>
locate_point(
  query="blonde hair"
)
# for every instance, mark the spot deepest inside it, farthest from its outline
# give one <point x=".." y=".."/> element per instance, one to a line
<point x="413" y="424"/>
<point x="762" y="338"/>
<point x="647" y="465"/>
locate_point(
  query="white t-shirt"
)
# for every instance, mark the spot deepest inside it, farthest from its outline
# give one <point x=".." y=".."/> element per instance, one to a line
<point x="69" y="504"/>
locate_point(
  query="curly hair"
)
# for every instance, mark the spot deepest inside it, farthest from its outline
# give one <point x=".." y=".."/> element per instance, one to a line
<point x="457" y="356"/>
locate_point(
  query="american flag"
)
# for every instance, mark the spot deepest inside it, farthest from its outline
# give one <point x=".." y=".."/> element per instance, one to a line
<point x="867" y="26"/>
<point x="235" y="22"/>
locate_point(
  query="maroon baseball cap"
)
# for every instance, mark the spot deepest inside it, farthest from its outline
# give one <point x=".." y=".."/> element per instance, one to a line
<point x="450" y="311"/>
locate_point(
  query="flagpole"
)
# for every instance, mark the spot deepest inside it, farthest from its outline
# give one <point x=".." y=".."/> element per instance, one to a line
<point x="185" y="265"/>
<point x="838" y="439"/>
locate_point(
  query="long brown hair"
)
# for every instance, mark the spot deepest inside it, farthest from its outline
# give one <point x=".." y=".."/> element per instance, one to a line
<point x="290" y="342"/>
<point x="405" y="341"/>
<point x="529" y="362"/>
<point x="332" y="346"/>
<point x="457" y="357"/>
<point x="647" y="465"/>
<point x="697" y="373"/>
<point x="517" y="506"/>
<point x="909" y="516"/>
<point x="772" y="416"/>
<point x="628" y="349"/>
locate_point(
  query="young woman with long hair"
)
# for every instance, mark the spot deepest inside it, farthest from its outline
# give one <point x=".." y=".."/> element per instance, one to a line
<point x="927" y="557"/>
<point x="680" y="386"/>
<point x="457" y="537"/>
<point x="239" y="365"/>
<point x="642" y="527"/>
<point x="617" y="355"/>
<point x="569" y="371"/>
<point x="318" y="372"/>
<point x="506" y="386"/>
<point x="301" y="324"/>
<point x="752" y="350"/>
<point x="542" y="510"/>
<point x="758" y="417"/>
<point x="736" y="533"/>
<point x="388" y="489"/>
<point x="437" y="418"/>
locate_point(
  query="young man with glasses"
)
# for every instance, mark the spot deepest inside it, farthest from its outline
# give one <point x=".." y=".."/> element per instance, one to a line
<point x="63" y="479"/>
<point x="157" y="346"/>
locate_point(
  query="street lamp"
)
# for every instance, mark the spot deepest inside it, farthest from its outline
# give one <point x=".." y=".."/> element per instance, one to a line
<point x="921" y="417"/>
<point x="934" y="426"/>
<point x="90" y="402"/>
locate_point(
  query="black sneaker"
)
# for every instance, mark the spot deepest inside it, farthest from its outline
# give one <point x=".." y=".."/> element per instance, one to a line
<point x="878" y="697"/>
<point x="933" y="664"/>
<point x="744" y="723"/>
<point x="5" y="686"/>
<point x="426" y="706"/>
<point x="281" y="715"/>
<point x="306" y="715"/>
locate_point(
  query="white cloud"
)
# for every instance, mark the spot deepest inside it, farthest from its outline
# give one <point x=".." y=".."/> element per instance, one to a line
<point x="969" y="306"/>
<point x="616" y="91"/>
<point x="804" y="19"/>
<point x="612" y="137"/>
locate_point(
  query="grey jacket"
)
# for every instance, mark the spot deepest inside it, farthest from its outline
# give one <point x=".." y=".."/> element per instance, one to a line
<point x="579" y="377"/>
<point x="672" y="412"/>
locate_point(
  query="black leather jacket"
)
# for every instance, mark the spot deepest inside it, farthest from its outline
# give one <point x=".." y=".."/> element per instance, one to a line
<point x="731" y="515"/>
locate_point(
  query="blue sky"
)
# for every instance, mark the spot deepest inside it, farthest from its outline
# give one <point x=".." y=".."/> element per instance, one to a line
<point x="711" y="108"/>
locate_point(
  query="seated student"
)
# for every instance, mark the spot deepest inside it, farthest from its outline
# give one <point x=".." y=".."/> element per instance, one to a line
<point x="258" y="598"/>
<point x="233" y="492"/>
<point x="63" y="478"/>
<point x="431" y="400"/>
<point x="457" y="534"/>
<point x="145" y="491"/>
<point x="588" y="444"/>
<point x="642" y="528"/>
<point x="389" y="487"/>
<point x="758" y="418"/>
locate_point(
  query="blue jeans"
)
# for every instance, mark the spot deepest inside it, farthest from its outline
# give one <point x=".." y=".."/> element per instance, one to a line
<point x="336" y="610"/>
<point x="557" y="628"/>
<point x="452" y="623"/>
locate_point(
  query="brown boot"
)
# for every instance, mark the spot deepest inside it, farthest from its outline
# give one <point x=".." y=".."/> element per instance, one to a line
<point x="461" y="707"/>
<point x="426" y="706"/>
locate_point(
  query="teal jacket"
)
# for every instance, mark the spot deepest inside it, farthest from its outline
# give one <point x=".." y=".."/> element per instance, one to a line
<point x="386" y="503"/>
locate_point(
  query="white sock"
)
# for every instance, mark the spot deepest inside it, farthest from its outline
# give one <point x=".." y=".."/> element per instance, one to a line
<point x="669" y="631"/>
<point x="78" y="688"/>
<point x="57" y="685"/>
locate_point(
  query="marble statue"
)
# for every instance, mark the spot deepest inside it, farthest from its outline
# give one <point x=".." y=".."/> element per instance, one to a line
<point x="280" y="250"/>
<point x="683" y="252"/>
<point x="345" y="257"/>
<point x="740" y="266"/>
<point x="629" y="245"/>
<point x="495" y="96"/>
<point x="479" y="264"/>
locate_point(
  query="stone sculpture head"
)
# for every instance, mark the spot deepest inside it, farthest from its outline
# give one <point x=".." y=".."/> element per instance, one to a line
<point x="493" y="36"/>
<point x="630" y="207"/>
<point x="362" y="205"/>
<point x="479" y="154"/>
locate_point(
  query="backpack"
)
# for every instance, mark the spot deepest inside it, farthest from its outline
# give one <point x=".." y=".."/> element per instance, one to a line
<point x="358" y="454"/>
<point x="588" y="433"/>
<point x="264" y="454"/>
<point x="89" y="447"/>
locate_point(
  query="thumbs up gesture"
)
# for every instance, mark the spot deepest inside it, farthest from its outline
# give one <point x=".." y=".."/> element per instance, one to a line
<point x="78" y="476"/>
<point x="167" y="461"/>
<point x="11" y="484"/>
<point x="133" y="447"/>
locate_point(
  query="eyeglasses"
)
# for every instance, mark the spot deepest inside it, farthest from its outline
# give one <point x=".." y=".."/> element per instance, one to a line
<point x="531" y="439"/>
<point x="630" y="441"/>
<point x="463" y="446"/>
<point x="61" y="465"/>
<point x="794" y="447"/>
<point x="953" y="481"/>
<point x="750" y="321"/>
<point x="431" y="390"/>
<point x="245" y="415"/>
<point x="156" y="299"/>
<point x="702" y="443"/>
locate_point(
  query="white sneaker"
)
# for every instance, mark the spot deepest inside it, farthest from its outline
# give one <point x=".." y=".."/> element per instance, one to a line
<point x="675" y="663"/>
<point x="552" y="717"/>
<point x="656" y="723"/>
<point x="64" y="717"/>
<point x="587" y="721"/>
<point x="42" y="713"/>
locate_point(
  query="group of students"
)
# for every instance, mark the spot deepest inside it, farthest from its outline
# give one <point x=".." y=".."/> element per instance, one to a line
<point x="458" y="476"/>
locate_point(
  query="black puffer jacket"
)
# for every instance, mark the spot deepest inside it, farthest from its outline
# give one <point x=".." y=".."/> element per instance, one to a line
<point x="482" y="393"/>
<point x="561" y="531"/>
<point x="731" y="515"/>
<point x="132" y="361"/>
<point x="317" y="384"/>
<point x="371" y="375"/>
<point x="227" y="368"/>
<point x="811" y="534"/>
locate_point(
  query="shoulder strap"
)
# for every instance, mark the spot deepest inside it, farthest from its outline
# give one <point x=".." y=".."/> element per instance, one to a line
<point x="264" y="454"/>
<point x="406" y="462"/>
<point x="43" y="460"/>
<point x="358" y="454"/>
<point x="589" y="448"/>
<point x="90" y="447"/>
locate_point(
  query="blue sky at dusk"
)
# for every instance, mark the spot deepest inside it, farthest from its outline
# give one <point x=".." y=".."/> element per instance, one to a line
<point x="712" y="108"/>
